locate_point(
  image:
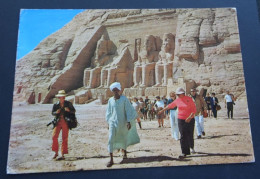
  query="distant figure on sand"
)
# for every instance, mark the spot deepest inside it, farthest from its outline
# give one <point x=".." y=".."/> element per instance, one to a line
<point x="201" y="107"/>
<point x="159" y="106"/>
<point x="136" y="106"/>
<point x="61" y="110"/>
<point x="143" y="108"/>
<point x="214" y="103"/>
<point x="173" y="118"/>
<point x="229" y="102"/>
<point x="207" y="100"/>
<point x="151" y="111"/>
<point x="186" y="112"/>
<point x="120" y="116"/>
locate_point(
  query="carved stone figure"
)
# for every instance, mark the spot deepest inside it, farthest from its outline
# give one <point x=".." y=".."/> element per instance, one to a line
<point x="146" y="62"/>
<point x="101" y="58"/>
<point x="166" y="56"/>
<point x="137" y="49"/>
<point x="119" y="65"/>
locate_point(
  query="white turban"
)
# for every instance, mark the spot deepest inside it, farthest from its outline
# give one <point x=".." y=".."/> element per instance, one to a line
<point x="115" y="85"/>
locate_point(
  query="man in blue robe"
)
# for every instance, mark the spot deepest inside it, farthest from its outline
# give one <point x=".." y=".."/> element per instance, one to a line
<point x="120" y="116"/>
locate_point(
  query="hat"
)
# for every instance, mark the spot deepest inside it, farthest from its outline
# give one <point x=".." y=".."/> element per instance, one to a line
<point x="180" y="90"/>
<point x="115" y="85"/>
<point x="61" y="93"/>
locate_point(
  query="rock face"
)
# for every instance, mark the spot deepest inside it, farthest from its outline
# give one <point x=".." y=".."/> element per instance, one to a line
<point x="150" y="52"/>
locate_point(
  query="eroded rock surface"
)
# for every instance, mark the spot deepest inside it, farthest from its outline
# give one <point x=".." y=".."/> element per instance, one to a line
<point x="150" y="52"/>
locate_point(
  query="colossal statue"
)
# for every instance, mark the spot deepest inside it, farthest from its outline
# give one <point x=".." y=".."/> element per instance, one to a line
<point x="119" y="65"/>
<point x="165" y="62"/>
<point x="144" y="67"/>
<point x="101" y="58"/>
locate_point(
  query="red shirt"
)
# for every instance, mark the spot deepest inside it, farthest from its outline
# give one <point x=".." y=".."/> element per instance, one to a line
<point x="185" y="106"/>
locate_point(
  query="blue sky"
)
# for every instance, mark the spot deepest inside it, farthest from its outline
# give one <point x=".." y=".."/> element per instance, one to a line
<point x="37" y="24"/>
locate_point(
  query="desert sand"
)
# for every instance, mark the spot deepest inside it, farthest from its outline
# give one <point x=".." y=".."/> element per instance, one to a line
<point x="226" y="141"/>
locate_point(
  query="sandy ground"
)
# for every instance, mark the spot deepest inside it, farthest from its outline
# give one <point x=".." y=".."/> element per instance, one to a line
<point x="226" y="141"/>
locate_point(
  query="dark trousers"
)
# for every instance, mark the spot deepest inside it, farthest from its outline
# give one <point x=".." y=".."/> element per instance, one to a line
<point x="214" y="110"/>
<point x="186" y="131"/>
<point x="230" y="109"/>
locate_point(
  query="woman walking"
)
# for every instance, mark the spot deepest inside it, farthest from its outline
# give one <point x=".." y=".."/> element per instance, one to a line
<point x="136" y="106"/>
<point x="186" y="111"/>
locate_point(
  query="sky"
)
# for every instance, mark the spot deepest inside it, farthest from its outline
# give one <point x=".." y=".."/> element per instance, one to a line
<point x="37" y="24"/>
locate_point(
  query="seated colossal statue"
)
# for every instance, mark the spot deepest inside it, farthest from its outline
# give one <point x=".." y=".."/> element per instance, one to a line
<point x="103" y="54"/>
<point x="164" y="65"/>
<point x="143" y="71"/>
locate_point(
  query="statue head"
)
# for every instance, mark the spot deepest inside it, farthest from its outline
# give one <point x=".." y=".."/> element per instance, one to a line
<point x="149" y="43"/>
<point x="168" y="42"/>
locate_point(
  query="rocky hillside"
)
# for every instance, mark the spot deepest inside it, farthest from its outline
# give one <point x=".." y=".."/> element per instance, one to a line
<point x="99" y="47"/>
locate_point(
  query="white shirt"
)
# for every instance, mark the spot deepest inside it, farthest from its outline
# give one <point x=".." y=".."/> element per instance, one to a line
<point x="228" y="98"/>
<point x="160" y="104"/>
<point x="136" y="105"/>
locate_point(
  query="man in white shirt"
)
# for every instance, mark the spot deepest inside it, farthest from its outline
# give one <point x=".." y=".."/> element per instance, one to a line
<point x="229" y="104"/>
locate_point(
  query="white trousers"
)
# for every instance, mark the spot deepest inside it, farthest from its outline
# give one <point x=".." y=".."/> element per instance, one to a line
<point x="174" y="124"/>
<point x="199" y="123"/>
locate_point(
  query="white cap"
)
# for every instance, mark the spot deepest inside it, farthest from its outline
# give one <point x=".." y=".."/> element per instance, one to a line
<point x="180" y="90"/>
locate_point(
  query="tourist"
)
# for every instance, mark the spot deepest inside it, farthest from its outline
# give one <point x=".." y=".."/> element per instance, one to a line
<point x="146" y="101"/>
<point x="120" y="116"/>
<point x="207" y="100"/>
<point x="61" y="110"/>
<point x="159" y="106"/>
<point x="201" y="107"/>
<point x="173" y="118"/>
<point x="186" y="111"/>
<point x="214" y="103"/>
<point x="143" y="108"/>
<point x="150" y="110"/>
<point x="136" y="106"/>
<point x="229" y="101"/>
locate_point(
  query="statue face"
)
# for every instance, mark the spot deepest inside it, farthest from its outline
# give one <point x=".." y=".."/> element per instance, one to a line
<point x="148" y="43"/>
<point x="168" y="43"/>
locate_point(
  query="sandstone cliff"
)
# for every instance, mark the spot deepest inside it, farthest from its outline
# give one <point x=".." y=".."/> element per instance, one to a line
<point x="149" y="51"/>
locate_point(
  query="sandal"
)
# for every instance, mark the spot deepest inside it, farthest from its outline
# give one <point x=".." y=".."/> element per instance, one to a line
<point x="55" y="156"/>
<point x="61" y="158"/>
<point x="182" y="156"/>
<point x="110" y="163"/>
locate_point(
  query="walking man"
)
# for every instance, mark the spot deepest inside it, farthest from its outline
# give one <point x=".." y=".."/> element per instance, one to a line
<point x="61" y="110"/>
<point x="229" y="100"/>
<point x="201" y="107"/>
<point x="120" y="116"/>
<point x="214" y="103"/>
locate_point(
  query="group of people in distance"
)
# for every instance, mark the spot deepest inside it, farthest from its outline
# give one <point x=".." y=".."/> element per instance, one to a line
<point x="185" y="113"/>
<point x="149" y="109"/>
<point x="213" y="104"/>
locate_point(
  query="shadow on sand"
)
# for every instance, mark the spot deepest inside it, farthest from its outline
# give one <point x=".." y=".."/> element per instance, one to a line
<point x="83" y="158"/>
<point x="148" y="159"/>
<point x="156" y="128"/>
<point x="204" y="154"/>
<point x="217" y="136"/>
